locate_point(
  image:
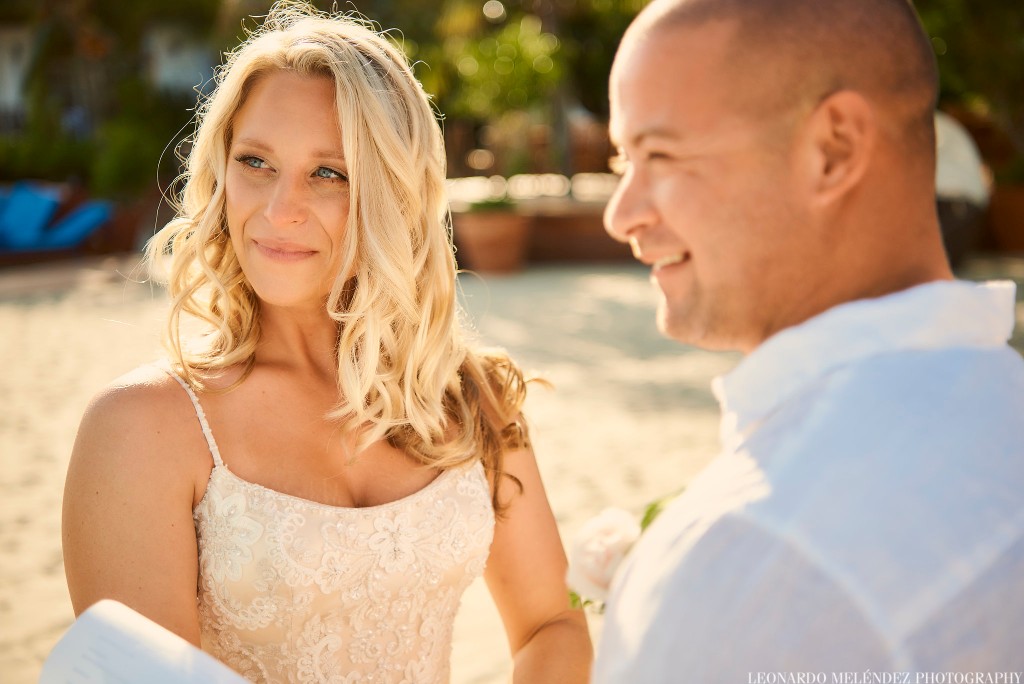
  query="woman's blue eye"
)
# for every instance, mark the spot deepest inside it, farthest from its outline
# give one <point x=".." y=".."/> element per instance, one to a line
<point x="252" y="162"/>
<point x="330" y="174"/>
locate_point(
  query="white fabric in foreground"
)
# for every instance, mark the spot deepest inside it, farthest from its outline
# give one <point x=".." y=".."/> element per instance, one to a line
<point x="110" y="642"/>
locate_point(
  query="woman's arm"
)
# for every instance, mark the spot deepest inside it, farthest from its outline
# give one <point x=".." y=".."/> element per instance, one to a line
<point x="127" y="528"/>
<point x="526" y="576"/>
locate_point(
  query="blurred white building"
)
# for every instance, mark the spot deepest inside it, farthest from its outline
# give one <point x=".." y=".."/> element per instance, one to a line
<point x="15" y="58"/>
<point x="962" y="187"/>
<point x="178" y="62"/>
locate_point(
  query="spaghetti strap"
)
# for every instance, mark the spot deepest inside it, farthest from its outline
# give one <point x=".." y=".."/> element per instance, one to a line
<point x="207" y="433"/>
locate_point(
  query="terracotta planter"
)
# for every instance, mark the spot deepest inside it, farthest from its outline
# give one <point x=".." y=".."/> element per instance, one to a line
<point x="491" y="241"/>
<point x="568" y="231"/>
<point x="1006" y="217"/>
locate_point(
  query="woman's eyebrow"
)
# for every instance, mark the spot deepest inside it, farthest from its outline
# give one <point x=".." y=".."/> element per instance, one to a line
<point x="333" y="154"/>
<point x="330" y="154"/>
<point x="252" y="142"/>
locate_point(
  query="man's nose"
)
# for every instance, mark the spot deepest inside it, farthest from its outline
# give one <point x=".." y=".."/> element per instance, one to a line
<point x="287" y="203"/>
<point x="629" y="209"/>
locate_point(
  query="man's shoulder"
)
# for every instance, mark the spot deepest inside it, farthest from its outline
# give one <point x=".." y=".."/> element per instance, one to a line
<point x="901" y="432"/>
<point x="932" y="395"/>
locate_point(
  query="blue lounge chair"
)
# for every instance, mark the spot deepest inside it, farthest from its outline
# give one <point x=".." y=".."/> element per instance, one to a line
<point x="25" y="214"/>
<point x="77" y="226"/>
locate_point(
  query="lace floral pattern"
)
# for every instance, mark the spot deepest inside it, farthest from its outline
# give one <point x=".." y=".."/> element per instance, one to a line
<point x="232" y="533"/>
<point x="295" y="591"/>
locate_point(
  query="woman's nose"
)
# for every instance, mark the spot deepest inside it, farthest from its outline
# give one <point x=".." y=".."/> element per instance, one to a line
<point x="286" y="203"/>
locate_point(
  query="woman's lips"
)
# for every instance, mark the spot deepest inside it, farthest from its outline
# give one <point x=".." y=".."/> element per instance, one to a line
<point x="283" y="252"/>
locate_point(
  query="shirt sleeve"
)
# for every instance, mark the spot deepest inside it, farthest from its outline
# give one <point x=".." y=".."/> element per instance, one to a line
<point x="979" y="629"/>
<point x="740" y="601"/>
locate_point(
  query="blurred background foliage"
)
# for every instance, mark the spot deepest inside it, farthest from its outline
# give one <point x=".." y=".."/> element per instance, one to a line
<point x="513" y="81"/>
<point x="520" y="85"/>
<point x="980" y="50"/>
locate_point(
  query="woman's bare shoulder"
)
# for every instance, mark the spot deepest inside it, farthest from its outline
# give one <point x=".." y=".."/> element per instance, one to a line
<point x="145" y="416"/>
<point x="138" y="469"/>
<point x="145" y="394"/>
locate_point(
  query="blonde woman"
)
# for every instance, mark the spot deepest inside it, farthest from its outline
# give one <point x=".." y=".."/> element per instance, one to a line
<point x="308" y="486"/>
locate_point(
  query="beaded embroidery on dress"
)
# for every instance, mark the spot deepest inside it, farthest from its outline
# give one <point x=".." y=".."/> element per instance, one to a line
<point x="291" y="590"/>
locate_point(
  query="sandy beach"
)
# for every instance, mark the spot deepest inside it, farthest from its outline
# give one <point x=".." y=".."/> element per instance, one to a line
<point x="631" y="415"/>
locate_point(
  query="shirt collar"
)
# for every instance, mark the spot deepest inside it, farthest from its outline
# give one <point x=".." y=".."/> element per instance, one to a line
<point x="935" y="315"/>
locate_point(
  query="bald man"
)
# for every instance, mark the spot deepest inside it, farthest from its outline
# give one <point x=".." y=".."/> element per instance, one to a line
<point x="866" y="514"/>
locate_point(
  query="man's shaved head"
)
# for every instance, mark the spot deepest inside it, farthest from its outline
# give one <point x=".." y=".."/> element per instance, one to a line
<point x="788" y="52"/>
<point x="777" y="159"/>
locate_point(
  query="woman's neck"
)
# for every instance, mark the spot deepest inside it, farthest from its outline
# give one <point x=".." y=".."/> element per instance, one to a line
<point x="300" y="340"/>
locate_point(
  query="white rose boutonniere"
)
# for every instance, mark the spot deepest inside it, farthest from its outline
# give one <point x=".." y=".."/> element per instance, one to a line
<point x="598" y="549"/>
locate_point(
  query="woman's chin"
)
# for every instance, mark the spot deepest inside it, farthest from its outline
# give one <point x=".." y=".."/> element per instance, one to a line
<point x="280" y="298"/>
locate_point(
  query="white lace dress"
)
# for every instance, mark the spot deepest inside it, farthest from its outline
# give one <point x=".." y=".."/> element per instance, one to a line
<point x="291" y="590"/>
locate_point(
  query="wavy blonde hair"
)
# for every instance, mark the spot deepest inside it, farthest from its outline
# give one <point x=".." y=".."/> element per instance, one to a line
<point x="405" y="372"/>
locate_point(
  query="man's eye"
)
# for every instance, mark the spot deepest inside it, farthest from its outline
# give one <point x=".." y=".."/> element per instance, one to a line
<point x="329" y="174"/>
<point x="618" y="164"/>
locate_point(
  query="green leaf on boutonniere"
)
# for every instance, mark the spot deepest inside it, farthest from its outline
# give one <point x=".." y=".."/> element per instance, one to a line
<point x="577" y="601"/>
<point x="655" y="508"/>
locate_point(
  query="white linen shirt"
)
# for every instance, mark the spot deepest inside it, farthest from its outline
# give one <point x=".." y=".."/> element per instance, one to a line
<point x="866" y="513"/>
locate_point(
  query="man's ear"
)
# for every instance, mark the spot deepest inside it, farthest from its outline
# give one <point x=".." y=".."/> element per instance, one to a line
<point x="842" y="132"/>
